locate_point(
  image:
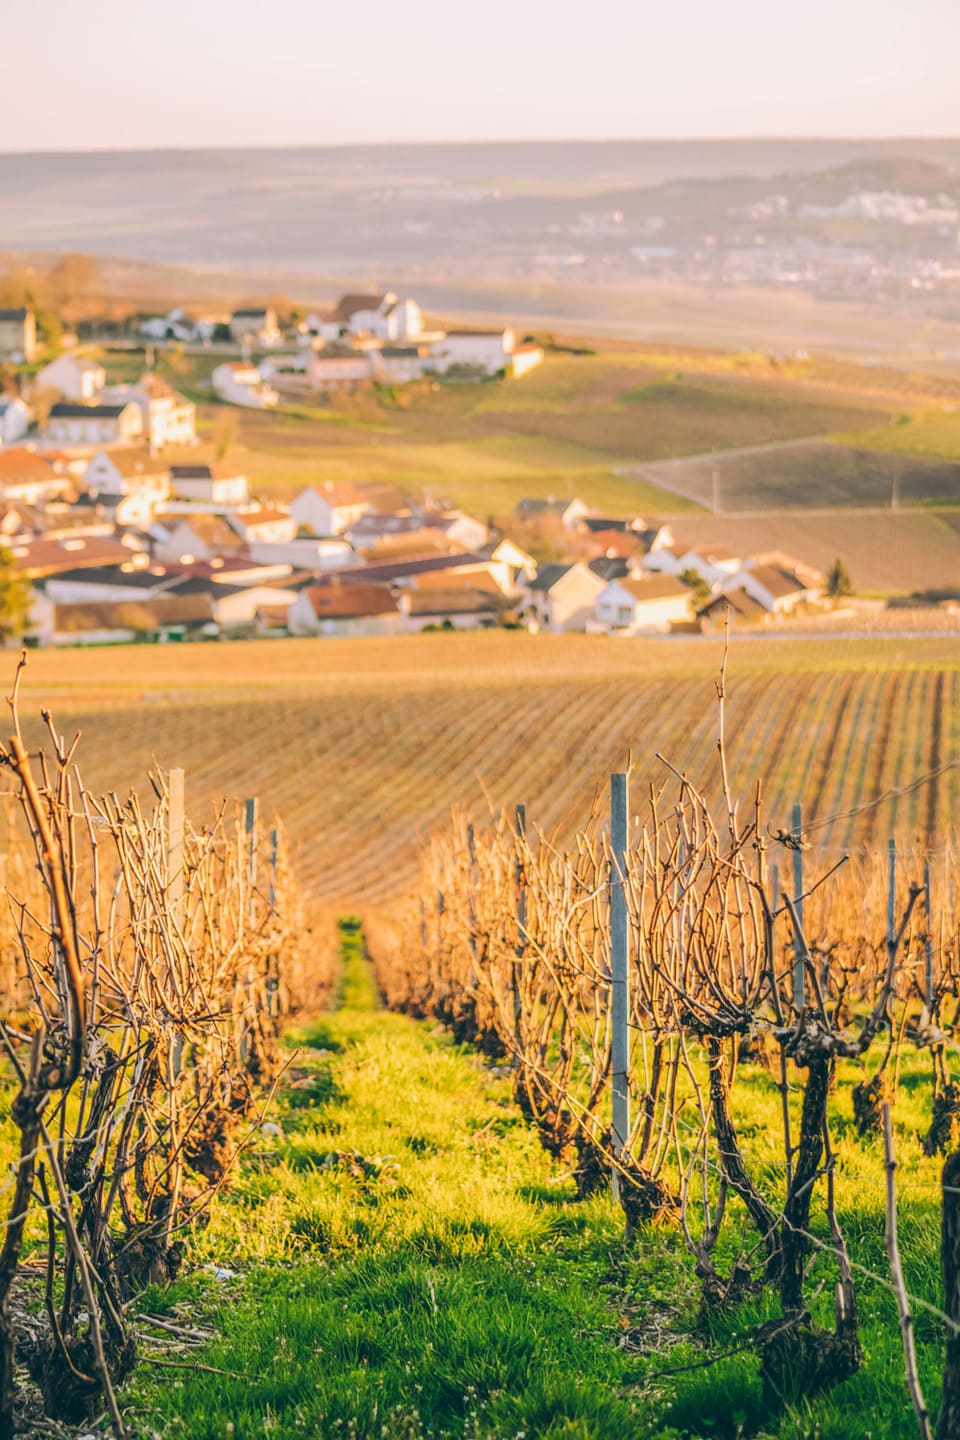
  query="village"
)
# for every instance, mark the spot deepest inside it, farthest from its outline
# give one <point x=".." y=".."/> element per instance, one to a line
<point x="124" y="536"/>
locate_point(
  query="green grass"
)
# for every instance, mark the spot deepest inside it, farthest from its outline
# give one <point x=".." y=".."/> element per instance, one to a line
<point x="441" y="1286"/>
<point x="405" y="1264"/>
<point x="564" y="429"/>
<point x="933" y="430"/>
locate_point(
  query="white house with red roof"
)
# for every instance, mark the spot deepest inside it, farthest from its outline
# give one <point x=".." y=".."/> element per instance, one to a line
<point x="329" y="508"/>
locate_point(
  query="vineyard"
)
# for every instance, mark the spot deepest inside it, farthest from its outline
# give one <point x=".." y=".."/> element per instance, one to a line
<point x="660" y="1064"/>
<point x="363" y="747"/>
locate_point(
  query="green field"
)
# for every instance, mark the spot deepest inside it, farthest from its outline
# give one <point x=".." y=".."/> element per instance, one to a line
<point x="564" y="429"/>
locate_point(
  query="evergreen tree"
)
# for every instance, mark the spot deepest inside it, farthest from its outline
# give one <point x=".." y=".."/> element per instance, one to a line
<point x="839" y="582"/>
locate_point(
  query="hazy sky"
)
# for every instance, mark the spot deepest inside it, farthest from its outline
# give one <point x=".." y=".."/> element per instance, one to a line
<point x="104" y="74"/>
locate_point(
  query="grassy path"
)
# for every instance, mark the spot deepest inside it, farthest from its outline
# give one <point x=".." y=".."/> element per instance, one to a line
<point x="403" y="1262"/>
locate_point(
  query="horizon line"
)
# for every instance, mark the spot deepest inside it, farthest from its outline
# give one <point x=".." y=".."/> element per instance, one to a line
<point x="759" y="139"/>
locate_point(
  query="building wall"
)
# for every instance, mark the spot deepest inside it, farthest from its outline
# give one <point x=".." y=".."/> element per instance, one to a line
<point x="524" y="361"/>
<point x="19" y="337"/>
<point x="71" y="379"/>
<point x="489" y="353"/>
<point x="14" y="422"/>
<point x="338" y="372"/>
<point x="79" y="430"/>
<point x="232" y="490"/>
<point x="323" y="515"/>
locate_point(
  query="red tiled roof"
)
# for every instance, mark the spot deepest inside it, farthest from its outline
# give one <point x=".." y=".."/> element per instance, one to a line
<point x="333" y="601"/>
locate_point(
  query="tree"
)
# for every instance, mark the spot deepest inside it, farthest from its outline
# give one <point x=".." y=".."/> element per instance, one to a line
<point x="15" y="599"/>
<point x="839" y="582"/>
<point x="694" y="581"/>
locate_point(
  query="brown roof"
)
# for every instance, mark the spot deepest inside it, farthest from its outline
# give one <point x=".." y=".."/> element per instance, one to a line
<point x="458" y="580"/>
<point x="205" y="472"/>
<point x="37" y="558"/>
<point x="264" y="516"/>
<point x="453" y="601"/>
<point x="654" y="587"/>
<point x="347" y="305"/>
<point x="213" y="530"/>
<point x="777" y="581"/>
<point x="19" y="465"/>
<point x="335" y="601"/>
<point x="738" y="602"/>
<point x="411" y="545"/>
<point x="133" y="614"/>
<point x="136" y="461"/>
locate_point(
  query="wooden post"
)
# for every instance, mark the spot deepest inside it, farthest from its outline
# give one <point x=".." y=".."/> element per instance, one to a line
<point x="798" y="976"/>
<point x="948" y="1424"/>
<point x="619" y="986"/>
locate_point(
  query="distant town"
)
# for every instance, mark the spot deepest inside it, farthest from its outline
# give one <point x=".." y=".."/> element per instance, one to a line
<point x="123" y="536"/>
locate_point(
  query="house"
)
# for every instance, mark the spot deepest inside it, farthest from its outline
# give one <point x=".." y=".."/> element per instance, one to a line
<point x="41" y="557"/>
<point x="330" y="508"/>
<point x="736" y="605"/>
<point x="460" y="529"/>
<point x="74" y="377"/>
<point x="175" y="325"/>
<point x="336" y="607"/>
<point x="560" y="597"/>
<point x="267" y="524"/>
<point x="509" y="564"/>
<point x="123" y="621"/>
<point x="132" y="578"/>
<point x="29" y="477"/>
<point x="610" y="567"/>
<point x="217" y="484"/>
<point x="127" y="486"/>
<point x="486" y="352"/>
<point x="404" y="573"/>
<point x="257" y="325"/>
<point x="400" y="364"/>
<point x="18" y="334"/>
<point x="568" y="512"/>
<point x="411" y="545"/>
<point x="457" y="607"/>
<point x="647" y="606"/>
<point x="384" y="316"/>
<point x="715" y="564"/>
<point x="779" y="587"/>
<point x="239" y="383"/>
<point x="340" y="369"/>
<point x="523" y="358"/>
<point x="193" y="537"/>
<point x="70" y="423"/>
<point x="236" y="606"/>
<point x="168" y="417"/>
<point x="305" y="552"/>
<point x="14" y="419"/>
<point x="127" y="471"/>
